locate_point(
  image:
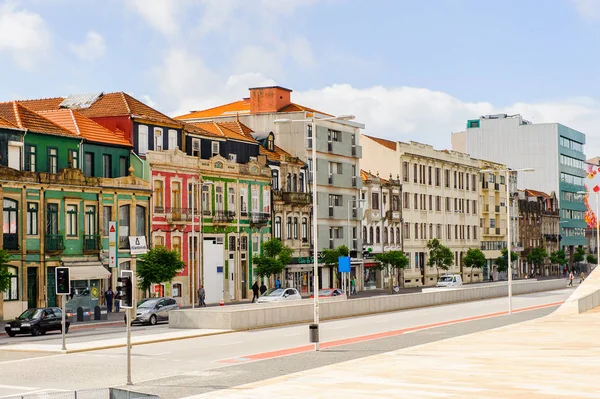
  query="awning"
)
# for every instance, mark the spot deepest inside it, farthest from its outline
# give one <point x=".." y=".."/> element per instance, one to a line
<point x="91" y="271"/>
<point x="371" y="264"/>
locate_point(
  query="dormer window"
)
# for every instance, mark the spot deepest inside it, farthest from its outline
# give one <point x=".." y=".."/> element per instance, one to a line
<point x="271" y="142"/>
<point x="215" y="148"/>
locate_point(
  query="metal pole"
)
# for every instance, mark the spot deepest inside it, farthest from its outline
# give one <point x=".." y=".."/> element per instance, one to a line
<point x="345" y="284"/>
<point x="315" y="227"/>
<point x="200" y="251"/>
<point x="64" y="343"/>
<point x="509" y="242"/>
<point x="597" y="234"/>
<point x="128" y="313"/>
<point x="192" y="269"/>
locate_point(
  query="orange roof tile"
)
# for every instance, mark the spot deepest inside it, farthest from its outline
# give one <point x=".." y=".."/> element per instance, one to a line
<point x="386" y="143"/>
<point x="277" y="153"/>
<point x="535" y="193"/>
<point x="120" y="104"/>
<point x="195" y="129"/>
<point x="25" y="118"/>
<point x="42" y="104"/>
<point x="236" y="107"/>
<point x="6" y="124"/>
<point x="239" y="128"/>
<point x="293" y="107"/>
<point x="85" y="127"/>
<point x="364" y="175"/>
<point x="221" y="130"/>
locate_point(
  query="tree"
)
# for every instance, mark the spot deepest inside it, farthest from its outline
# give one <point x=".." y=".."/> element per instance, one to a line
<point x="329" y="257"/>
<point x="502" y="261"/>
<point x="559" y="257"/>
<point x="273" y="260"/>
<point x="4" y="274"/>
<point x="440" y="256"/>
<point x="158" y="265"/>
<point x="579" y="255"/>
<point x="393" y="260"/>
<point x="591" y="259"/>
<point x="474" y="258"/>
<point x="537" y="257"/>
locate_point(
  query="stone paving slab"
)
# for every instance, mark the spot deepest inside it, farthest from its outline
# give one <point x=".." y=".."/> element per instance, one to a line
<point x="552" y="357"/>
<point x="87" y="346"/>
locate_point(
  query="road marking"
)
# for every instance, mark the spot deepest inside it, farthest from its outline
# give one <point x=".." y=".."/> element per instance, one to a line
<point x="370" y="337"/>
<point x="18" y="388"/>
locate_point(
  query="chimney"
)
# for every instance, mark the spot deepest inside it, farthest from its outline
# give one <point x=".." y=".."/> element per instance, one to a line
<point x="268" y="99"/>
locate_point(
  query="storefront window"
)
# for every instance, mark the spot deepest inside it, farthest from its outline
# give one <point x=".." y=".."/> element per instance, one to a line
<point x="140" y="220"/>
<point x="370" y="278"/>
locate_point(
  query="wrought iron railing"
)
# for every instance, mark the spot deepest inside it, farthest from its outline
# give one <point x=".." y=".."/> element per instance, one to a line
<point x="10" y="241"/>
<point x="259" y="217"/>
<point x="223" y="216"/>
<point x="55" y="242"/>
<point x="179" y="214"/>
<point x="91" y="242"/>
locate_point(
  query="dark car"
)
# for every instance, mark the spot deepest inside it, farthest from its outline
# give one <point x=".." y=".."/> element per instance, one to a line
<point x="152" y="310"/>
<point x="37" y="321"/>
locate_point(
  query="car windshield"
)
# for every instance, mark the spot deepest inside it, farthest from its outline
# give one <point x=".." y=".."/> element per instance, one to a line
<point x="446" y="279"/>
<point x="149" y="303"/>
<point x="30" y="314"/>
<point x="325" y="292"/>
<point x="274" y="292"/>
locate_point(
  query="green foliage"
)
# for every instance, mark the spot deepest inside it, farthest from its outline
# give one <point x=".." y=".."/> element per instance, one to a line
<point x="559" y="257"/>
<point x="591" y="259"/>
<point x="157" y="266"/>
<point x="4" y="274"/>
<point x="330" y="256"/>
<point x="579" y="255"/>
<point x="274" y="258"/>
<point x="502" y="261"/>
<point x="474" y="258"/>
<point x="537" y="256"/>
<point x="440" y="256"/>
<point x="393" y="260"/>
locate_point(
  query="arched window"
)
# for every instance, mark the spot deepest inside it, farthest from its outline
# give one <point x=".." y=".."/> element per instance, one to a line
<point x="304" y="230"/>
<point x="385" y="235"/>
<point x="391" y="235"/>
<point x="364" y="236"/>
<point x="377" y="235"/>
<point x="371" y="235"/>
<point x="158" y="196"/>
<point x="140" y="220"/>
<point x="295" y="228"/>
<point x="288" y="228"/>
<point x="278" y="227"/>
<point x="275" y="179"/>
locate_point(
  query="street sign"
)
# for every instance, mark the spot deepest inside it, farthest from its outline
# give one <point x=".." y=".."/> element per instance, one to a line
<point x="112" y="244"/>
<point x="344" y="264"/>
<point x="137" y="245"/>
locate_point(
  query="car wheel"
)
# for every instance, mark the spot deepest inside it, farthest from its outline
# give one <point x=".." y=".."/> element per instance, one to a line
<point x="11" y="334"/>
<point x="153" y="320"/>
<point x="35" y="331"/>
<point x="66" y="329"/>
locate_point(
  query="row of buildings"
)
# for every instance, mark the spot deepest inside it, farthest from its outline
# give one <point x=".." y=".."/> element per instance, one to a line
<point x="214" y="184"/>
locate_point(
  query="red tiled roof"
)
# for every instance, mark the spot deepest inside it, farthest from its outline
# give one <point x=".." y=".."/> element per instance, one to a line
<point x="85" y="127"/>
<point x="42" y="104"/>
<point x="535" y="193"/>
<point x="25" y="118"/>
<point x="240" y="107"/>
<point x="221" y="130"/>
<point x="120" y="104"/>
<point x="276" y="154"/>
<point x="6" y="124"/>
<point x="293" y="107"/>
<point x="386" y="143"/>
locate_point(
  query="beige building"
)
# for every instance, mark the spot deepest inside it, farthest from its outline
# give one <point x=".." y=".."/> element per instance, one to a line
<point x="440" y="199"/>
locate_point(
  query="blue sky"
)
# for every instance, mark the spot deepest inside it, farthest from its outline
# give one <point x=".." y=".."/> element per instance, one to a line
<point x="410" y="70"/>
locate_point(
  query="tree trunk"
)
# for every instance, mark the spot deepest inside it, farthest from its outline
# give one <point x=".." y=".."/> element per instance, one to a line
<point x="471" y="275"/>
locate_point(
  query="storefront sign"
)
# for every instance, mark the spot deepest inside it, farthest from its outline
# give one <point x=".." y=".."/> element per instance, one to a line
<point x="112" y="244"/>
<point x="305" y="260"/>
<point x="137" y="245"/>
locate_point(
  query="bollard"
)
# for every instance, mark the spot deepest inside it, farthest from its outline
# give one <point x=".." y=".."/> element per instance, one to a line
<point x="97" y="313"/>
<point x="313" y="333"/>
<point x="80" y="314"/>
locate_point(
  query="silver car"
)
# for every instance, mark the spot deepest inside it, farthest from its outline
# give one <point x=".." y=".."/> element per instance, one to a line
<point x="280" y="294"/>
<point x="152" y="310"/>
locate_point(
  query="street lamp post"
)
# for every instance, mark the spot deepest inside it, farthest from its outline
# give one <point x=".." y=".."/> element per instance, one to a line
<point x="357" y="202"/>
<point x="313" y="122"/>
<point x="597" y="227"/>
<point x="507" y="173"/>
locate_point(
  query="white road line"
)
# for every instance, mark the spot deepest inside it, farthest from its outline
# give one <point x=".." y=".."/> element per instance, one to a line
<point x="18" y="388"/>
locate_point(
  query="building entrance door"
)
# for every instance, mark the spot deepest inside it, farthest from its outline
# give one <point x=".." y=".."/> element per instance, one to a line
<point x="244" y="279"/>
<point x="32" y="297"/>
<point x="51" y="284"/>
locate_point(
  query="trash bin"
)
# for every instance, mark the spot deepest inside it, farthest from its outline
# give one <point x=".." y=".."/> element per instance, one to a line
<point x="313" y="333"/>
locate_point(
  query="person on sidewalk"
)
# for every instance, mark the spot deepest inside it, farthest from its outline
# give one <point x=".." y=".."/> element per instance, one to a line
<point x="263" y="288"/>
<point x="255" y="291"/>
<point x="117" y="300"/>
<point x="582" y="277"/>
<point x="570" y="279"/>
<point x="201" y="296"/>
<point x="108" y="297"/>
<point x="352" y="286"/>
<point x="278" y="283"/>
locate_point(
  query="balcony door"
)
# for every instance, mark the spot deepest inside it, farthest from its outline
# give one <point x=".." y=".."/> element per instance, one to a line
<point x="10" y="227"/>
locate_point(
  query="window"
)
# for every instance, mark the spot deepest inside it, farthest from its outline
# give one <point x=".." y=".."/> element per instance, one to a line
<point x="407" y="230"/>
<point x="309" y="136"/>
<point x="448" y="204"/>
<point x="140" y="220"/>
<point x="446" y="178"/>
<point x="353" y="175"/>
<point x="385" y="236"/>
<point x="74" y="158"/>
<point x="415" y="173"/>
<point x="243" y="204"/>
<point x="375" y="201"/>
<point x="416" y="231"/>
<point x="142" y="139"/>
<point x="231" y="205"/>
<point x="255" y="247"/>
<point x="438" y="203"/>
<point x="176" y="245"/>
<point x="158" y="196"/>
<point x="438" y="177"/>
<point x="123" y="166"/>
<point x="416" y="201"/>
<point x="11" y="224"/>
<point x="72" y="220"/>
<point x="175" y="194"/>
<point x="335" y="200"/>
<point x="124" y="227"/>
<point x="467" y="181"/>
<point x="430" y="173"/>
<point x="177" y="290"/>
<point x="266" y="201"/>
<point x="395" y="202"/>
<point x="106" y="216"/>
<point x="270" y="143"/>
<point x="206" y="208"/>
<point x="304" y="230"/>
<point x="406" y="200"/>
<point x="214" y="148"/>
<point x="431" y="202"/>
<point x="172" y="139"/>
<point x="244" y="243"/>
<point x="370" y="235"/>
<point x="335" y="168"/>
<point x="275" y="179"/>
<point x="255" y="200"/>
<point x="106" y="165"/>
<point x="89" y="163"/>
<point x="295" y="228"/>
<point x="12" y="292"/>
<point x="455" y="179"/>
<point x="391" y="235"/>
<point x="32" y="218"/>
<point x="52" y="160"/>
<point x="90" y="220"/>
<point x="301" y="182"/>
<point x="30" y="158"/>
<point x="288" y="228"/>
<point x="334" y="135"/>
<point x="158" y="139"/>
<point x="405" y="171"/>
<point x="219" y="206"/>
<point x="278" y="227"/>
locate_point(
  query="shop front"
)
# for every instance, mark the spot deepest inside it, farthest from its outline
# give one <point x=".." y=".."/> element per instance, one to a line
<point x="372" y="276"/>
<point x="89" y="280"/>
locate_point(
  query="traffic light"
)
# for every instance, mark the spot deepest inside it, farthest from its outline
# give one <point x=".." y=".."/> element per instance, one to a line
<point x="126" y="289"/>
<point x="63" y="281"/>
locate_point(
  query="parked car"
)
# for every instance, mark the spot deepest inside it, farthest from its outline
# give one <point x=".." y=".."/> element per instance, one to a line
<point x="450" y="280"/>
<point x="152" y="310"/>
<point x="329" y="292"/>
<point x="280" y="294"/>
<point x="37" y="321"/>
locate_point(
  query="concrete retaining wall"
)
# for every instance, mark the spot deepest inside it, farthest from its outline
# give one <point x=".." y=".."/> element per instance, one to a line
<point x="243" y="317"/>
<point x="584" y="298"/>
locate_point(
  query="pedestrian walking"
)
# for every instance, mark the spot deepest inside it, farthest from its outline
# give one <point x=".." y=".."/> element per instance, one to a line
<point x="277" y="283"/>
<point x="570" y="279"/>
<point x="255" y="291"/>
<point x="118" y="300"/>
<point x="263" y="288"/>
<point x="108" y="297"/>
<point x="201" y="296"/>
<point x="352" y="286"/>
<point x="582" y="277"/>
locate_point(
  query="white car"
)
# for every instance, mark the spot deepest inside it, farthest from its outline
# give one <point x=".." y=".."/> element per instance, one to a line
<point x="450" y="280"/>
<point x="280" y="294"/>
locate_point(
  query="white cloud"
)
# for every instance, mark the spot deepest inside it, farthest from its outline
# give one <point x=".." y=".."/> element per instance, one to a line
<point x="92" y="48"/>
<point x="162" y="15"/>
<point x="589" y="9"/>
<point x="23" y="34"/>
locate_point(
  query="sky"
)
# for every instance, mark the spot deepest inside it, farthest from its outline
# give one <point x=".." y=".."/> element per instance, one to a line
<point x="407" y="69"/>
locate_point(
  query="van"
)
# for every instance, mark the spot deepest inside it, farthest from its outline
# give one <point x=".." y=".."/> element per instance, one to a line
<point x="450" y="280"/>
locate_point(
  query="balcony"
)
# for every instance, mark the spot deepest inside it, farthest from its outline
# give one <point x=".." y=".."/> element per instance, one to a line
<point x="159" y="209"/>
<point x="259" y="218"/>
<point x="10" y="242"/>
<point x="485" y="209"/>
<point x="55" y="242"/>
<point x="373" y="215"/>
<point x="291" y="197"/>
<point x="178" y="214"/>
<point x="223" y="216"/>
<point x="91" y="243"/>
<point x="393" y="216"/>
